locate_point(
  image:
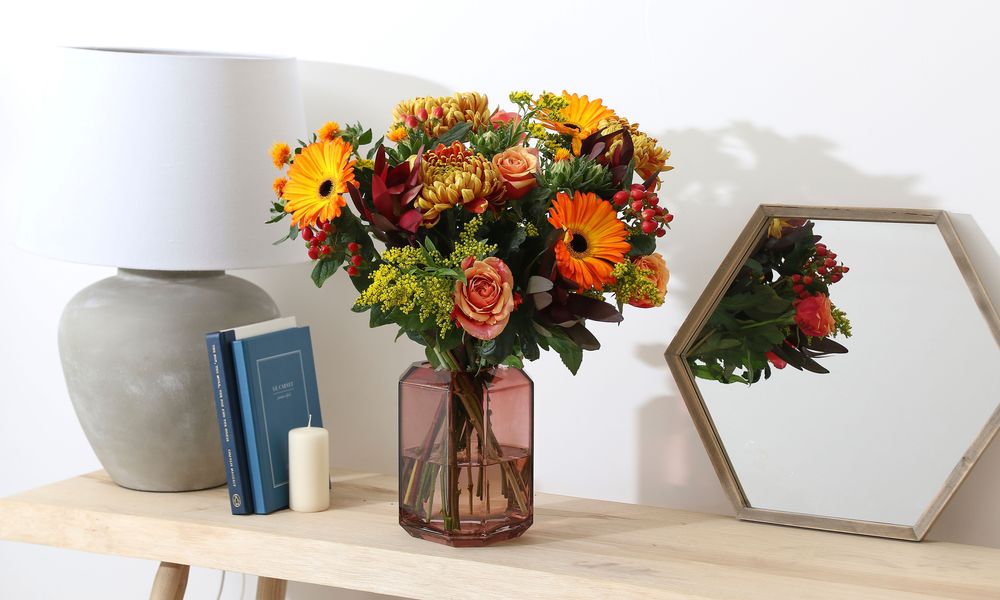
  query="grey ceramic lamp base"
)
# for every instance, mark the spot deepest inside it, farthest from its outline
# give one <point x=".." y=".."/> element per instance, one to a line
<point x="133" y="353"/>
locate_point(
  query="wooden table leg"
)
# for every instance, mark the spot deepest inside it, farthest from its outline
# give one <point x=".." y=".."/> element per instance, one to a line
<point x="170" y="583"/>
<point x="271" y="589"/>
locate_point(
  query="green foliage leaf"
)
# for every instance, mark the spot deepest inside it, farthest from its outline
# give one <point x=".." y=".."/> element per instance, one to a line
<point x="642" y="244"/>
<point x="323" y="270"/>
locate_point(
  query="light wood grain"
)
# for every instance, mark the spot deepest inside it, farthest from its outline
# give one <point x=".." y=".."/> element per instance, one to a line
<point x="170" y="582"/>
<point x="271" y="589"/>
<point x="748" y="240"/>
<point x="576" y="549"/>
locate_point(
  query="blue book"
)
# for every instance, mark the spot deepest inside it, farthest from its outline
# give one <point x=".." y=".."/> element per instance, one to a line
<point x="227" y="409"/>
<point x="276" y="379"/>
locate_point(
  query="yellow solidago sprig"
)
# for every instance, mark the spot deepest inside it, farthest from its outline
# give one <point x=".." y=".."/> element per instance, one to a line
<point x="469" y="244"/>
<point x="404" y="283"/>
<point x="634" y="282"/>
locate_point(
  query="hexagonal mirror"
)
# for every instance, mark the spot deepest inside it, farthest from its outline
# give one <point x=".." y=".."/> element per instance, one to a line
<point x="839" y="368"/>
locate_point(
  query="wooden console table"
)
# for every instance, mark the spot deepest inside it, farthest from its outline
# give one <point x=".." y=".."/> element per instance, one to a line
<point x="576" y="549"/>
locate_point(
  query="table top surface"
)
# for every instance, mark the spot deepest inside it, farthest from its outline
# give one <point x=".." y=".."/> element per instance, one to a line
<point x="577" y="548"/>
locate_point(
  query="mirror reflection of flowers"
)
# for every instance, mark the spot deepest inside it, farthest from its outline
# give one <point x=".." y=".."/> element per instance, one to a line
<point x="777" y="312"/>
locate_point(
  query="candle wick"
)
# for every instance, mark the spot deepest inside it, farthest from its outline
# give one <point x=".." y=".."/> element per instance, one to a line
<point x="310" y="423"/>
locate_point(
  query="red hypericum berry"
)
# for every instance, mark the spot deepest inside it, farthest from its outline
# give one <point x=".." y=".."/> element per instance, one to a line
<point x="324" y="250"/>
<point x="352" y="271"/>
<point x="314" y="243"/>
<point x="320" y="237"/>
<point x="820" y="250"/>
<point x="798" y="287"/>
<point x="637" y="205"/>
<point x="638" y="194"/>
<point x="807" y="280"/>
<point x="803" y="295"/>
<point x="353" y="247"/>
<point x="844" y="269"/>
<point x="422" y="114"/>
<point x="796" y="278"/>
<point x="637" y="186"/>
<point x="822" y="270"/>
<point x="654" y="200"/>
<point x="829" y="263"/>
<point x="832" y="255"/>
<point x="314" y="253"/>
<point x="836" y="277"/>
<point x="307" y="234"/>
<point x="356" y="260"/>
<point x="620" y="197"/>
<point x="412" y="122"/>
<point x="648" y="227"/>
<point x="668" y="218"/>
<point x="648" y="214"/>
<point x="661" y="232"/>
<point x="327" y="226"/>
<point x="437" y="112"/>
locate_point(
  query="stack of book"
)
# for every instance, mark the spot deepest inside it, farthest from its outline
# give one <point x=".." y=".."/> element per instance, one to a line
<point x="264" y="384"/>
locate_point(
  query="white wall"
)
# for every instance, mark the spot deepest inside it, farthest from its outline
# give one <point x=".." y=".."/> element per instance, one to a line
<point x="880" y="104"/>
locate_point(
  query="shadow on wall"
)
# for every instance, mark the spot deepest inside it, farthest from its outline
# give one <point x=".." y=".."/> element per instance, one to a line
<point x="358" y="367"/>
<point x="720" y="178"/>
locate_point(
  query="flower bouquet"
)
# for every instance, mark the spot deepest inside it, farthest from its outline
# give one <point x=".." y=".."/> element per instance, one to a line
<point x="777" y="312"/>
<point x="486" y="236"/>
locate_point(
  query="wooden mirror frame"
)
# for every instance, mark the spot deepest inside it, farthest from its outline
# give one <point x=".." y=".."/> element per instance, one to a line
<point x="676" y="356"/>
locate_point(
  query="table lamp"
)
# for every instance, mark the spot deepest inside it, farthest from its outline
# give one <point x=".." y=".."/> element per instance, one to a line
<point x="164" y="176"/>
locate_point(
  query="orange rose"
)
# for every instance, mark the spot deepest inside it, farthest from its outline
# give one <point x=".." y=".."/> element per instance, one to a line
<point x="517" y="166"/>
<point x="483" y="303"/>
<point x="658" y="274"/>
<point x="502" y="117"/>
<point x="814" y="316"/>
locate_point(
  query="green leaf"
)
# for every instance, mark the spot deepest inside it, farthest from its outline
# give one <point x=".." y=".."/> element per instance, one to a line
<point x="642" y="244"/>
<point x="455" y="133"/>
<point x="323" y="270"/>
<point x="513" y="361"/>
<point x="365" y="138"/>
<point x="570" y="353"/>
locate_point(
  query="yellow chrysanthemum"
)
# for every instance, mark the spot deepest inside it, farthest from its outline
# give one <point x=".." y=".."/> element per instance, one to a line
<point x="316" y="181"/>
<point x="454" y="175"/>
<point x="280" y="153"/>
<point x="561" y="155"/>
<point x="457" y="108"/>
<point x="396" y="134"/>
<point x="328" y="131"/>
<point x="578" y="119"/>
<point x="593" y="241"/>
<point x="279" y="186"/>
<point x="650" y="158"/>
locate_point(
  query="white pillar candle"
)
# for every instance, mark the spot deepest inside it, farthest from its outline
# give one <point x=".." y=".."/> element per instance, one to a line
<point x="309" y="469"/>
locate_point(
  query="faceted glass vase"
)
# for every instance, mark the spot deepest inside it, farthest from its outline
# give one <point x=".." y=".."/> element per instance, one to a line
<point x="465" y="455"/>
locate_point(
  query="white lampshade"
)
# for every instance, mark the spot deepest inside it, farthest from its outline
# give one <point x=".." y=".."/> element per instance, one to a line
<point x="160" y="160"/>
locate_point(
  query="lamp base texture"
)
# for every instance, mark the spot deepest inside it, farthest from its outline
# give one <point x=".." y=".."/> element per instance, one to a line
<point x="133" y="353"/>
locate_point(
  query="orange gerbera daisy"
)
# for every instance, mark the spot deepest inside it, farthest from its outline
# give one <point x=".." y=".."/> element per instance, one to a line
<point x="580" y="118"/>
<point x="594" y="241"/>
<point x="316" y="180"/>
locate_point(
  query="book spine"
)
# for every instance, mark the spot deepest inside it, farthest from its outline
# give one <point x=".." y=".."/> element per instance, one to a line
<point x="245" y="387"/>
<point x="220" y="363"/>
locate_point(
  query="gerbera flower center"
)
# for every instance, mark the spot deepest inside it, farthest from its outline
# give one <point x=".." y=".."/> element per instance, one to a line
<point x="325" y="188"/>
<point x="578" y="244"/>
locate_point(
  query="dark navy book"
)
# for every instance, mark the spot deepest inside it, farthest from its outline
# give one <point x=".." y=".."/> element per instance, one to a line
<point x="227" y="409"/>
<point x="276" y="379"/>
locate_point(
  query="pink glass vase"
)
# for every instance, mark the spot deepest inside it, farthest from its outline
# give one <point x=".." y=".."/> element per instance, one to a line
<point x="465" y="455"/>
